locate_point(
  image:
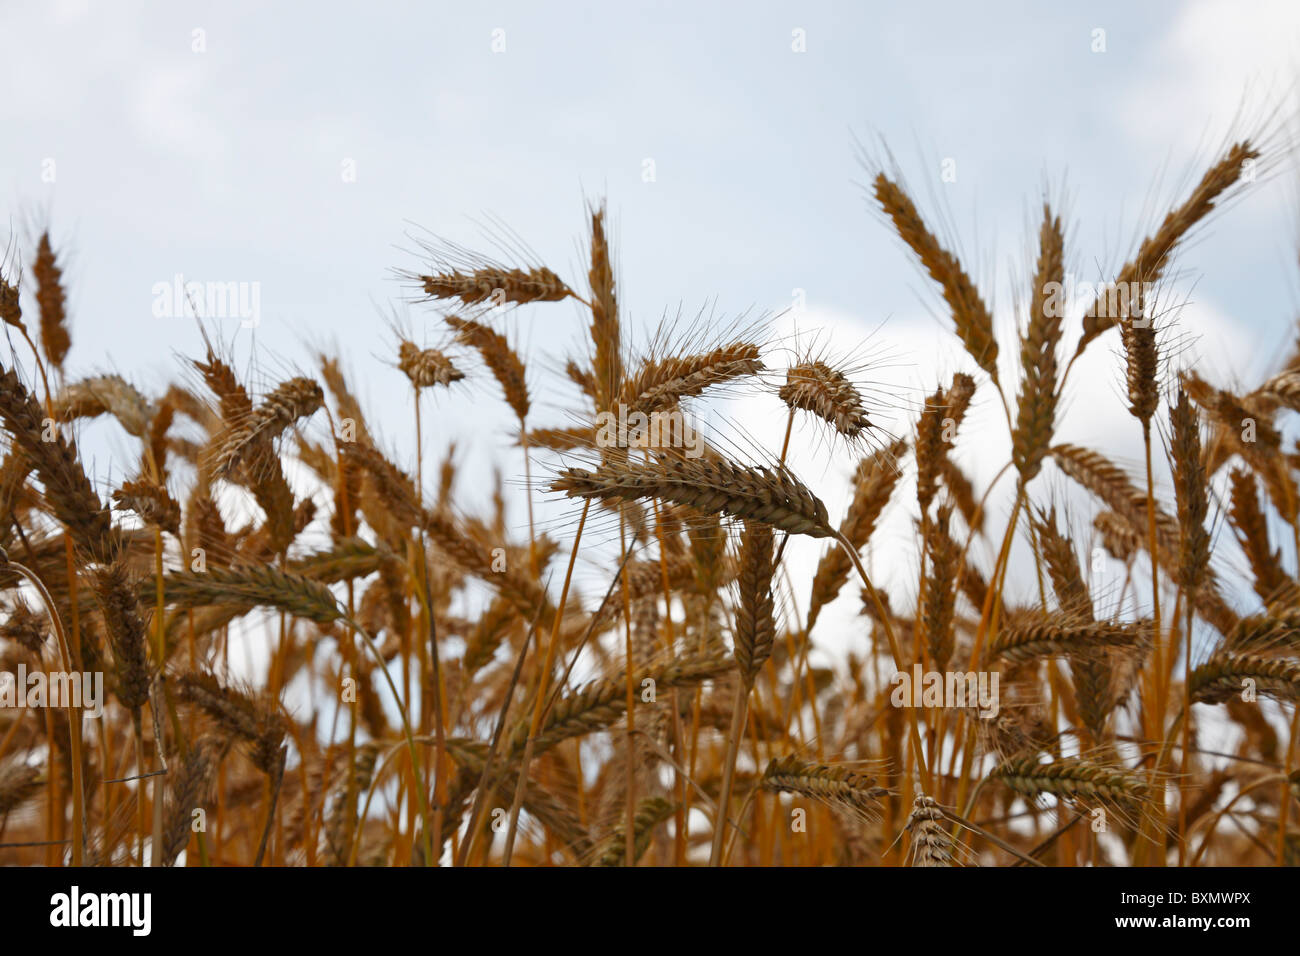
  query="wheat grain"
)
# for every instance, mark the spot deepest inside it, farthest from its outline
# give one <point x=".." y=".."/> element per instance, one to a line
<point x="51" y="301"/>
<point x="969" y="313"/>
<point x="1154" y="253"/>
<point x="771" y="496"/>
<point x="755" y="628"/>
<point x="426" y="367"/>
<point x="1036" y="407"/>
<point x="826" y="392"/>
<point x="506" y="366"/>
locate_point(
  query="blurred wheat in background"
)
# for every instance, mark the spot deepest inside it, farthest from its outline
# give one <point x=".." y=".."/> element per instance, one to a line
<point x="432" y="686"/>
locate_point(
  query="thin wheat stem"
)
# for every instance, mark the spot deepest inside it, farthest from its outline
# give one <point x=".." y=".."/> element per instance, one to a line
<point x="406" y="730"/>
<point x="551" y="646"/>
<point x="79" y="833"/>
<point x="789" y="427"/>
<point x="988" y="618"/>
<point x="629" y="828"/>
<point x="1153" y="550"/>
<point x="992" y="838"/>
<point x="899" y="662"/>
<point x="1284" y="796"/>
<point x="480" y="798"/>
<point x="1212" y="820"/>
<point x="734" y="735"/>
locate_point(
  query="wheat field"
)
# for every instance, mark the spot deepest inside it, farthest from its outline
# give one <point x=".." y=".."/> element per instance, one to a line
<point x="434" y="688"/>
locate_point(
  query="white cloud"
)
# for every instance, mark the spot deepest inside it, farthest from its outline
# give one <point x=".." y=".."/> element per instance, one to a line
<point x="168" y="113"/>
<point x="1216" y="52"/>
<point x="923" y="353"/>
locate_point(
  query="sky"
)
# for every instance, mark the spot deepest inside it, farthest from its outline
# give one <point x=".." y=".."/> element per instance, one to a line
<point x="303" y="149"/>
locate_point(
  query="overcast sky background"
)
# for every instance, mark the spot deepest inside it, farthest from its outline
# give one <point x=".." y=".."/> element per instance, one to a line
<point x="228" y="164"/>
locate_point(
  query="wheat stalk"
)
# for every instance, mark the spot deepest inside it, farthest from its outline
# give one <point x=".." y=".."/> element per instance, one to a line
<point x="971" y="316"/>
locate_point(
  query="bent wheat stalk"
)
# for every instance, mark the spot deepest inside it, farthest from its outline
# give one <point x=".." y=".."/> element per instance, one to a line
<point x="74" y="712"/>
